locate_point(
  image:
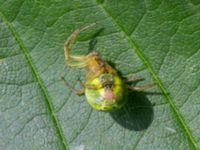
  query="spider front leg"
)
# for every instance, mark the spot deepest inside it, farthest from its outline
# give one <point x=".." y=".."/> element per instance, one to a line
<point x="78" y="61"/>
<point x="77" y="92"/>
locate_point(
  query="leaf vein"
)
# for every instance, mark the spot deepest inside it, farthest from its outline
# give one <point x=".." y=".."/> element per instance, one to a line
<point x="38" y="79"/>
<point x="154" y="76"/>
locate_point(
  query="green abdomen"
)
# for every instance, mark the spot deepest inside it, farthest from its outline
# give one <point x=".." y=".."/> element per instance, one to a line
<point x="104" y="98"/>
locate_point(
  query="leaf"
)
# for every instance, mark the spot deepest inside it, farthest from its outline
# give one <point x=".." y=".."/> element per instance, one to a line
<point x="157" y="40"/>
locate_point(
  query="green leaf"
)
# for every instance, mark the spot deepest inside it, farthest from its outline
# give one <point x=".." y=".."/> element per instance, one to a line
<point x="157" y="40"/>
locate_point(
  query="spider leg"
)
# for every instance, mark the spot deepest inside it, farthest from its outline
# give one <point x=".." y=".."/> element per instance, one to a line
<point x="131" y="80"/>
<point x="68" y="46"/>
<point x="77" y="92"/>
<point x="141" y="88"/>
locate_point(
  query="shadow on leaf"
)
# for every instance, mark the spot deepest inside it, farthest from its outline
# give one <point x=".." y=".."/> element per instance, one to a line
<point x="93" y="41"/>
<point x="137" y="114"/>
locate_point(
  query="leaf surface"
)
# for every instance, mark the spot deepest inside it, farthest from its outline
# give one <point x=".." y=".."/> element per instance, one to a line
<point x="157" y="40"/>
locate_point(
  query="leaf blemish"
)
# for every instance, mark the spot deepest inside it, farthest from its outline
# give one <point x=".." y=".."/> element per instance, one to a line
<point x="170" y="129"/>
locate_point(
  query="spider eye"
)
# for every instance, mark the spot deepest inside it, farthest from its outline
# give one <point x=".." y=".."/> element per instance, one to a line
<point x="108" y="84"/>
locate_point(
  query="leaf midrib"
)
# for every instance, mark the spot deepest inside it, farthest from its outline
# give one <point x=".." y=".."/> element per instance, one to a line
<point x="155" y="77"/>
<point x="41" y="85"/>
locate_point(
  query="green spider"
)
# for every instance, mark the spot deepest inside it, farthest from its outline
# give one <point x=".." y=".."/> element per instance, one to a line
<point x="104" y="89"/>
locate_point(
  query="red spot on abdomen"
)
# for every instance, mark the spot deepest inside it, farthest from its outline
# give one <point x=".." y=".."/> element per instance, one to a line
<point x="109" y="94"/>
